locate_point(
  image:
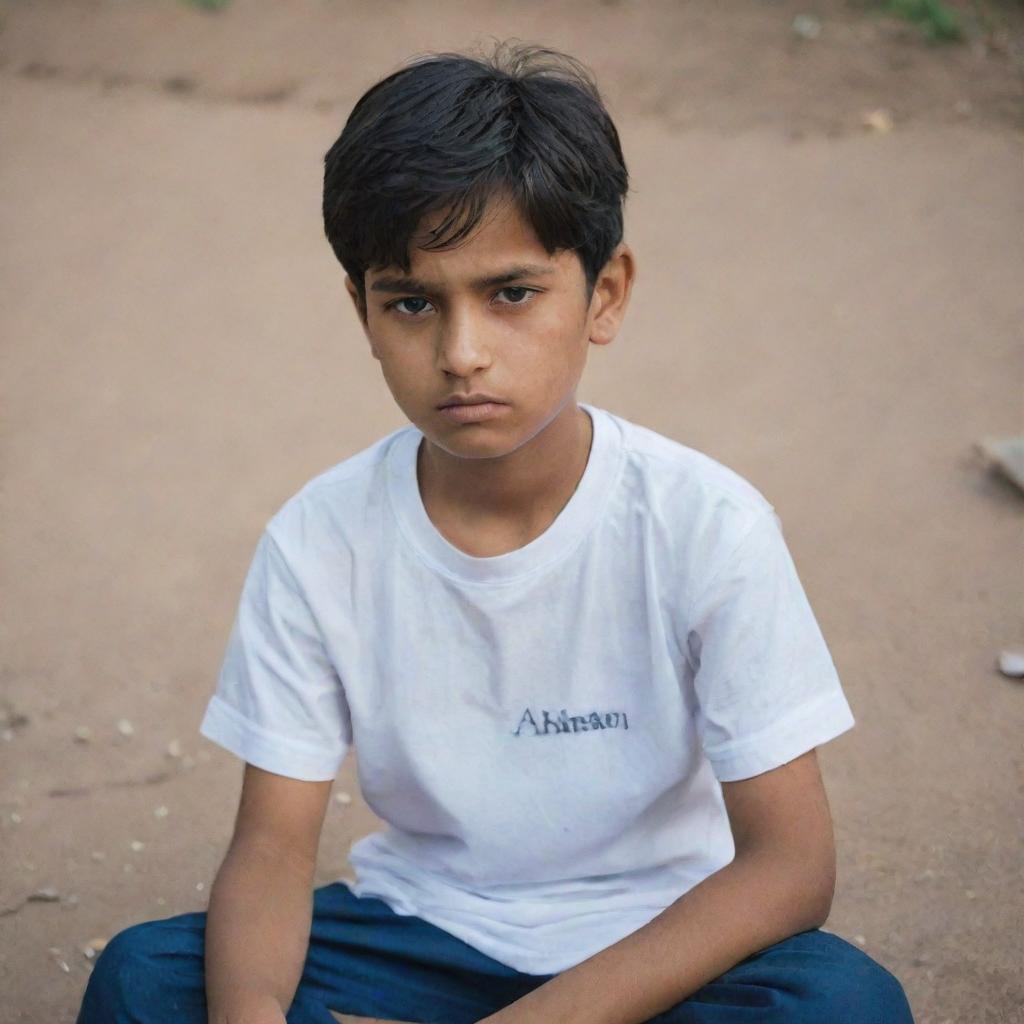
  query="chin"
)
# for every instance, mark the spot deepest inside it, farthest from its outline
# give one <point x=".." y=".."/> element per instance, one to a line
<point x="467" y="445"/>
<point x="473" y="441"/>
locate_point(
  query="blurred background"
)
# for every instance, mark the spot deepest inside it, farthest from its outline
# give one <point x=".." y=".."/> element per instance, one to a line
<point x="828" y="214"/>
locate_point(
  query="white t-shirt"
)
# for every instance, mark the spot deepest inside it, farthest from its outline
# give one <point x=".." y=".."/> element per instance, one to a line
<point x="543" y="731"/>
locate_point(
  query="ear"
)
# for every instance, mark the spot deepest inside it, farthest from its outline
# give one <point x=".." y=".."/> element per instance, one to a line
<point x="360" y="306"/>
<point x="610" y="299"/>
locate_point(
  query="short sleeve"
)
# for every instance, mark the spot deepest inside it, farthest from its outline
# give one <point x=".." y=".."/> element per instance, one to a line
<point x="766" y="686"/>
<point x="278" y="704"/>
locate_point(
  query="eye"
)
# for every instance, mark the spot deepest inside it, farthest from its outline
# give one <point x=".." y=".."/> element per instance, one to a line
<point x="518" y="294"/>
<point x="409" y="312"/>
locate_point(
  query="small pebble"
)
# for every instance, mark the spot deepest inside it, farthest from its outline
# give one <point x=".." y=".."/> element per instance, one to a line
<point x="94" y="946"/>
<point x="1011" y="663"/>
<point x="83" y="734"/>
<point x="970" y="894"/>
<point x="200" y="886"/>
<point x="16" y="817"/>
<point x="878" y="120"/>
<point x="160" y="812"/>
<point x="136" y="845"/>
<point x="161" y="901"/>
<point x="125" y="728"/>
<point x="806" y="26"/>
<point x="343" y="798"/>
<point x="860" y="940"/>
<point x="174" y="748"/>
<point x="48" y="894"/>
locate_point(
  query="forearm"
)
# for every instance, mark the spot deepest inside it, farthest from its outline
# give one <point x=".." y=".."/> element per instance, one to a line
<point x="752" y="903"/>
<point x="257" y="932"/>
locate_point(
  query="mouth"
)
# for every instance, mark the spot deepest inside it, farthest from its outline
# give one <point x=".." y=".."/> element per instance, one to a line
<point x="474" y="411"/>
<point x="462" y="401"/>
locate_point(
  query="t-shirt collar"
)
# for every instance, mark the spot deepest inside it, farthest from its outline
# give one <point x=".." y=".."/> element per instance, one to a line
<point x="568" y="529"/>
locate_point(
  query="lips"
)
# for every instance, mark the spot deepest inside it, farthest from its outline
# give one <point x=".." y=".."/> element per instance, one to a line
<point x="475" y="409"/>
<point x="470" y="400"/>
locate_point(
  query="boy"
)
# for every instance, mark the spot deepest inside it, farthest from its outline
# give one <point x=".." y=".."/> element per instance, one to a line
<point x="582" y="675"/>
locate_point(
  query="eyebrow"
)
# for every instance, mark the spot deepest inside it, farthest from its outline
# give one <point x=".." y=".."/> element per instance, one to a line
<point x="410" y="284"/>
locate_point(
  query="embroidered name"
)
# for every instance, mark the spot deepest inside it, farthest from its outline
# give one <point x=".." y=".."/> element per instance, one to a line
<point x="572" y="723"/>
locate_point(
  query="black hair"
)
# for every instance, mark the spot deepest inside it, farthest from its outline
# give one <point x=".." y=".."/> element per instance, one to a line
<point x="450" y="132"/>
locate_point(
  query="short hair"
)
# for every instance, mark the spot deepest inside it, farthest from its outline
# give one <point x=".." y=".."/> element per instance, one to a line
<point x="450" y="132"/>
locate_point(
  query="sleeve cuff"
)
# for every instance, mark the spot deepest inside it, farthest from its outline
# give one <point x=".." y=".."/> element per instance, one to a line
<point x="801" y="730"/>
<point x="267" y="750"/>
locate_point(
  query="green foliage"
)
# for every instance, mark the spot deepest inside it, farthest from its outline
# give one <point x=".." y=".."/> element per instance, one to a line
<point x="939" y="22"/>
<point x="209" y="5"/>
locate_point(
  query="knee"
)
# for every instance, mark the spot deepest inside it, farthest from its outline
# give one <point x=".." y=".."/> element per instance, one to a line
<point x="126" y="971"/>
<point x="884" y="998"/>
<point x="126" y="953"/>
<point x="859" y="990"/>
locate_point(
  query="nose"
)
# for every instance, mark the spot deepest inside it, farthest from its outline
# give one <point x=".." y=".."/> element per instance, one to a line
<point x="461" y="349"/>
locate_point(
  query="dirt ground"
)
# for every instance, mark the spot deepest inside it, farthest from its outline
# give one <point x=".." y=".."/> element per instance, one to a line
<point x="833" y="310"/>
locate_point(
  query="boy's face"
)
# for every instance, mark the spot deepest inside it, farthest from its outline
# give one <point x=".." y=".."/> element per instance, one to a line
<point x="497" y="315"/>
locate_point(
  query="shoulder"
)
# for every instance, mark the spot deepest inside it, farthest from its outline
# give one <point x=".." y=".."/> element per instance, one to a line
<point x="696" y="509"/>
<point x="334" y="504"/>
<point x="693" y="486"/>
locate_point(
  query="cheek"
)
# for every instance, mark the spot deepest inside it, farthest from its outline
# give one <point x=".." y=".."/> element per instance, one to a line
<point x="400" y="357"/>
<point x="405" y="374"/>
<point x="557" y="347"/>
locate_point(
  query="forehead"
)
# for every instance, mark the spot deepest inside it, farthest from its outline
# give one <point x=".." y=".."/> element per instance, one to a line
<point x="503" y="239"/>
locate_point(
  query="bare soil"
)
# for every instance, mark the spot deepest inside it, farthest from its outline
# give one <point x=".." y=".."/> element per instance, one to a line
<point x="833" y="310"/>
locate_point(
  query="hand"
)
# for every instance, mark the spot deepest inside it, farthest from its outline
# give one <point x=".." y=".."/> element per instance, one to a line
<point x="262" y="1015"/>
<point x="336" y="1014"/>
<point x="259" y="1010"/>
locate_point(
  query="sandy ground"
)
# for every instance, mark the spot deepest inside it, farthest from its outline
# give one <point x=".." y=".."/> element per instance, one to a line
<point x="834" y="312"/>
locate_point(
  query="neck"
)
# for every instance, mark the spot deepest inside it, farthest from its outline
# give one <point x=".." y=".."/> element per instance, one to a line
<point x="535" y="481"/>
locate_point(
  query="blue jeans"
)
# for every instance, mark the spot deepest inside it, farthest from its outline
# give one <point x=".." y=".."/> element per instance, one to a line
<point x="368" y="961"/>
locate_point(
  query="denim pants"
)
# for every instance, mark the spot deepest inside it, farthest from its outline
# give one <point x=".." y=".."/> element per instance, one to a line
<point x="368" y="961"/>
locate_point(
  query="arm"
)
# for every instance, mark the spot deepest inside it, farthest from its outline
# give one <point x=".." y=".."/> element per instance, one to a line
<point x="258" y="922"/>
<point x="781" y="882"/>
